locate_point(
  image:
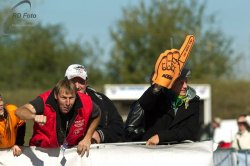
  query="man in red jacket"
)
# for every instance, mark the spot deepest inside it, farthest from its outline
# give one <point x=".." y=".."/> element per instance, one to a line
<point x="62" y="116"/>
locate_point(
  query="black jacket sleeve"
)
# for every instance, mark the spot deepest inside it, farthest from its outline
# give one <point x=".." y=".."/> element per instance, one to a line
<point x="135" y="124"/>
<point x="110" y="127"/>
<point x="148" y="99"/>
<point x="20" y="135"/>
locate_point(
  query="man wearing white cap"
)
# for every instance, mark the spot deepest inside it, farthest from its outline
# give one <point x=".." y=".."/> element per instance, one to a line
<point x="110" y="128"/>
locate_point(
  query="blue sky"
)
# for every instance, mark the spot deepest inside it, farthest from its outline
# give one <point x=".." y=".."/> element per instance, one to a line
<point x="84" y="19"/>
<point x="88" y="19"/>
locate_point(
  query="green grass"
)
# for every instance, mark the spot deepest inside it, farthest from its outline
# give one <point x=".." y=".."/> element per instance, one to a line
<point x="20" y="97"/>
<point x="29" y="132"/>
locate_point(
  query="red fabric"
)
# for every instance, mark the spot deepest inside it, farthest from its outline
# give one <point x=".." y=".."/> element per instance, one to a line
<point x="46" y="135"/>
<point x="224" y="145"/>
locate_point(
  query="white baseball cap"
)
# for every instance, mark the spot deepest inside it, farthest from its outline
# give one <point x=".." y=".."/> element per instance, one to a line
<point x="76" y="70"/>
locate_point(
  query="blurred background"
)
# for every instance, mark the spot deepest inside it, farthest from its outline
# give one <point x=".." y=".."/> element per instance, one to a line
<point x="119" y="41"/>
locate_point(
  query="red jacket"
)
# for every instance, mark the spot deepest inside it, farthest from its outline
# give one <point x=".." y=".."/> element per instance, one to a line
<point x="46" y="136"/>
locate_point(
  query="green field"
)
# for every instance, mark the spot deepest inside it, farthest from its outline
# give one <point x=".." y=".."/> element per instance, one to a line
<point x="29" y="131"/>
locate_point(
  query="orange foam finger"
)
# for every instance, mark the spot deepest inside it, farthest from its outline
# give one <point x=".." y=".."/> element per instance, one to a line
<point x="186" y="49"/>
<point x="176" y="65"/>
<point x="164" y="70"/>
<point x="157" y="64"/>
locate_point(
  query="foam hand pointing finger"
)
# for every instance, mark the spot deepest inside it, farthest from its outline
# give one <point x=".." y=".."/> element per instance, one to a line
<point x="170" y="63"/>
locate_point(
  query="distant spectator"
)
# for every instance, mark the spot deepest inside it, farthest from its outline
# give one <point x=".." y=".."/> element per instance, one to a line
<point x="242" y="138"/>
<point x="207" y="132"/>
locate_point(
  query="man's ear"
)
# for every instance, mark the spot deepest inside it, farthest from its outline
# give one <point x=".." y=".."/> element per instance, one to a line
<point x="55" y="95"/>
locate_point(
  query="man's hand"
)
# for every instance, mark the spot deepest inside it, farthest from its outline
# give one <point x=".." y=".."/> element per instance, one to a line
<point x="84" y="146"/>
<point x="96" y="138"/>
<point x="153" y="140"/>
<point x="170" y="63"/>
<point x="41" y="119"/>
<point x="17" y="151"/>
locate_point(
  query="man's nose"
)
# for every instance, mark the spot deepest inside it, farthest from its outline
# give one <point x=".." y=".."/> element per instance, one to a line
<point x="185" y="84"/>
<point x="67" y="101"/>
<point x="77" y="84"/>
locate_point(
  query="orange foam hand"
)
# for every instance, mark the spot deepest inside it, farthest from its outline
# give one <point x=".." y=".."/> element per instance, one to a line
<point x="170" y="63"/>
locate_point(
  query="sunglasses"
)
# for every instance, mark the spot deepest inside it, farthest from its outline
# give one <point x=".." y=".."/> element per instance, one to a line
<point x="79" y="80"/>
<point x="242" y="123"/>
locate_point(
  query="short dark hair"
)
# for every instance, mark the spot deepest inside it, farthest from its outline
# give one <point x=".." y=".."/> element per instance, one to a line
<point x="67" y="84"/>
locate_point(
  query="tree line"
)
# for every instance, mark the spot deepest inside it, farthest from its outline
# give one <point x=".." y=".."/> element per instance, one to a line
<point x="37" y="56"/>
